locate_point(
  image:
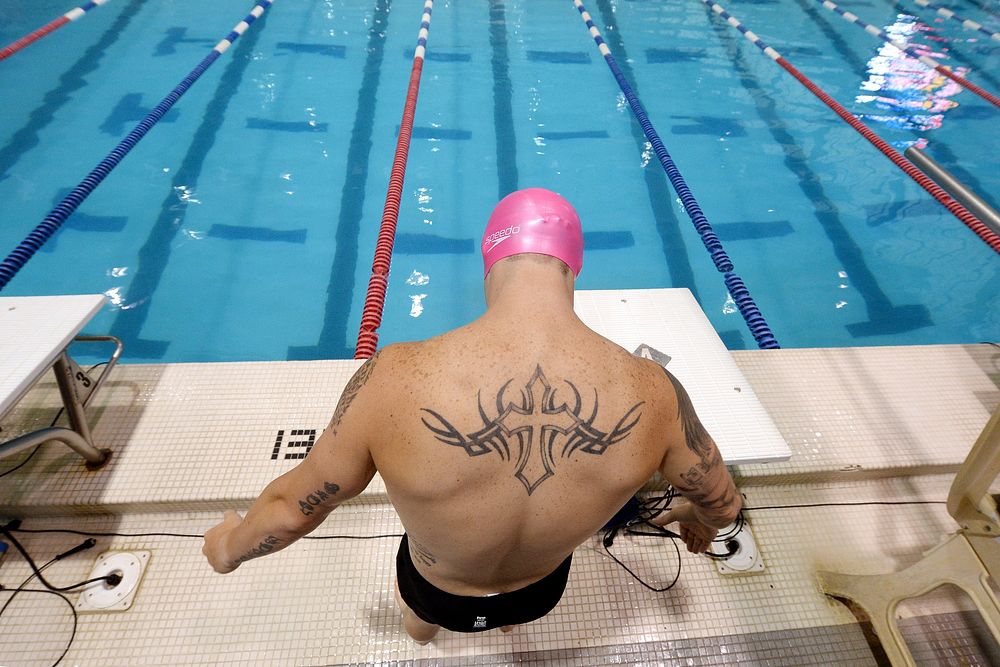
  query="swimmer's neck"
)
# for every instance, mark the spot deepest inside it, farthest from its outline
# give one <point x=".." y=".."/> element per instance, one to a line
<point x="525" y="288"/>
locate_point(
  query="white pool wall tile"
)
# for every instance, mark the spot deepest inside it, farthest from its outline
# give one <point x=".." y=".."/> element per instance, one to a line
<point x="189" y="440"/>
<point x="193" y="436"/>
<point x="330" y="601"/>
<point x="874" y="409"/>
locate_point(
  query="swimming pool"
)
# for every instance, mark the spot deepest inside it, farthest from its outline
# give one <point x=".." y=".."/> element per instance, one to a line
<point x="243" y="226"/>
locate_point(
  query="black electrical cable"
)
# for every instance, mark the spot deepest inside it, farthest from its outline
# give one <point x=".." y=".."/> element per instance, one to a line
<point x="649" y="509"/>
<point x="608" y="540"/>
<point x="857" y="504"/>
<point x="351" y="537"/>
<point x="87" y="544"/>
<point x="24" y="462"/>
<point x="93" y="533"/>
<point x="58" y="415"/>
<point x="71" y="608"/>
<point x="33" y="451"/>
<point x="20" y="586"/>
<point x="111" y="578"/>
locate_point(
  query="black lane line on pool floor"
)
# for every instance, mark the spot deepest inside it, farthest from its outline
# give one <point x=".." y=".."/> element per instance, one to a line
<point x="333" y="338"/>
<point x="883" y="316"/>
<point x="661" y="197"/>
<point x="154" y="255"/>
<point x="71" y="81"/>
<point x="503" y="112"/>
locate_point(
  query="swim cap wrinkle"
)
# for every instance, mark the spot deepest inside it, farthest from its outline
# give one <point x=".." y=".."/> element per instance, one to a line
<point x="533" y="220"/>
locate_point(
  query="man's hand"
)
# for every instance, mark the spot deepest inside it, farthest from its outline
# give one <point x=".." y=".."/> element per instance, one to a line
<point x="696" y="535"/>
<point x="215" y="543"/>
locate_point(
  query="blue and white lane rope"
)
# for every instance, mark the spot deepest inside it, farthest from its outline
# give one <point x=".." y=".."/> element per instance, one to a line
<point x="78" y="12"/>
<point x="44" y="231"/>
<point x="70" y="16"/>
<point x="926" y="60"/>
<point x="737" y="288"/>
<point x="968" y="24"/>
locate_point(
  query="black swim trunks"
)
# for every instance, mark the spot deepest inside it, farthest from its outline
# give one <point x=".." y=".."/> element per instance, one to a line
<point x="461" y="613"/>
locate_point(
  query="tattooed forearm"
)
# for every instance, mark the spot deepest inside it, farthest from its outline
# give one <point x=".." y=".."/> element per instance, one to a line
<point x="697" y="438"/>
<point x="711" y="489"/>
<point x="714" y="494"/>
<point x="269" y="544"/>
<point x="422" y="553"/>
<point x="721" y="510"/>
<point x="318" y="498"/>
<point x="354" y="385"/>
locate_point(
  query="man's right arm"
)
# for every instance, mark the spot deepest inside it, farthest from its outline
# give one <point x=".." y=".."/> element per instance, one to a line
<point x="339" y="467"/>
<point x="694" y="466"/>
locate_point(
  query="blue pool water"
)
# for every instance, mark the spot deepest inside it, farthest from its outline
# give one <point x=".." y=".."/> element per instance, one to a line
<point x="243" y="226"/>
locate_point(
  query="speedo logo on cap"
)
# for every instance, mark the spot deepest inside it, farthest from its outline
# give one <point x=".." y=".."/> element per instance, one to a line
<point x="498" y="237"/>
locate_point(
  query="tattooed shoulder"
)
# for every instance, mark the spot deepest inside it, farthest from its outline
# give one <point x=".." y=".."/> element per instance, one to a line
<point x="354" y="386"/>
<point x="695" y="436"/>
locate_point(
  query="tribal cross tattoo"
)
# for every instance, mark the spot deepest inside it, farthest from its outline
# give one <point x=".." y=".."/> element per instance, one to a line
<point x="532" y="427"/>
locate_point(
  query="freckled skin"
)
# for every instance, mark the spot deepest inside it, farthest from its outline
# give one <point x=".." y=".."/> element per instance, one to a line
<point x="503" y="444"/>
<point x="485" y="530"/>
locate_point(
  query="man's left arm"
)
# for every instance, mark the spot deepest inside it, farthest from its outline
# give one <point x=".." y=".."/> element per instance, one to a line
<point x="339" y="466"/>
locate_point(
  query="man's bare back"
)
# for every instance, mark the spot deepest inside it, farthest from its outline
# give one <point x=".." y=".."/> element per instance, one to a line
<point x="503" y="445"/>
<point x="500" y="466"/>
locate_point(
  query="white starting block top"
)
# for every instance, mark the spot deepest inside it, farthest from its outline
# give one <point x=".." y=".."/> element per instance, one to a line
<point x="34" y="330"/>
<point x="671" y="322"/>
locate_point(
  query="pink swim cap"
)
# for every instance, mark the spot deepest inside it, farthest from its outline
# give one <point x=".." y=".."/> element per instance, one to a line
<point x="537" y="221"/>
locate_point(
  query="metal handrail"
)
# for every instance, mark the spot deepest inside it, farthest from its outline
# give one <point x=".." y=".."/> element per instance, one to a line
<point x="115" y="356"/>
<point x="961" y="192"/>
<point x="78" y="437"/>
<point x="95" y="457"/>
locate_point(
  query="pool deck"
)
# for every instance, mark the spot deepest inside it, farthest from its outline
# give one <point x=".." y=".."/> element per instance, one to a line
<point x="189" y="440"/>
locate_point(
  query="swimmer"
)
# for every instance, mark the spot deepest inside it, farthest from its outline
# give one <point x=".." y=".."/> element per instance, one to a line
<point x="503" y="444"/>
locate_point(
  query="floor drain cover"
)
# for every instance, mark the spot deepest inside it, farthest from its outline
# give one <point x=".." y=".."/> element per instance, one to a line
<point x="102" y="597"/>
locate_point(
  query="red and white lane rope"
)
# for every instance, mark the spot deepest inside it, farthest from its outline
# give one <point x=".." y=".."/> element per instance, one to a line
<point x="371" y="316"/>
<point x="959" y="211"/>
<point x="968" y="24"/>
<point x="902" y="46"/>
<point x="71" y="15"/>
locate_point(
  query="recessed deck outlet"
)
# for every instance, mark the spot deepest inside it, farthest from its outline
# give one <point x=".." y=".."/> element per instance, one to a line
<point x="745" y="560"/>
<point x="101" y="596"/>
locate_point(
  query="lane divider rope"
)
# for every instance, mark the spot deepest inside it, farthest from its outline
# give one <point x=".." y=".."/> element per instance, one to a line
<point x="737" y="288"/>
<point x="959" y="211"/>
<point x="30" y="245"/>
<point x="72" y="15"/>
<point x="371" y="316"/>
<point x="926" y="60"/>
<point x="968" y="24"/>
